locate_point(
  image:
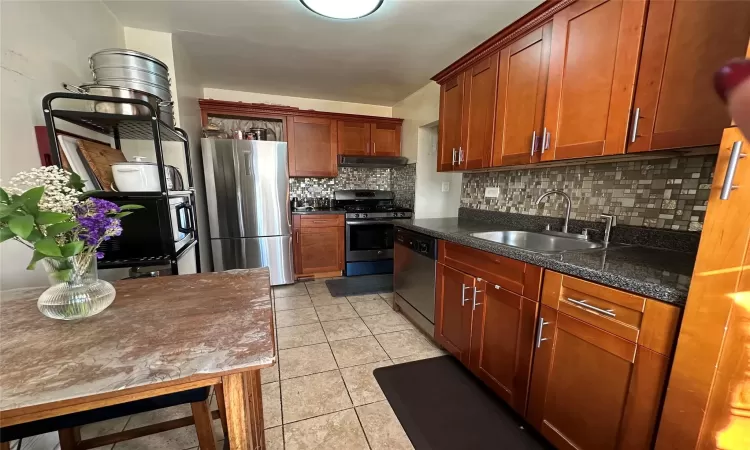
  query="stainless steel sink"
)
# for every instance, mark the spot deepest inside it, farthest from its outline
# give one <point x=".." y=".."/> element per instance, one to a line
<point x="538" y="242"/>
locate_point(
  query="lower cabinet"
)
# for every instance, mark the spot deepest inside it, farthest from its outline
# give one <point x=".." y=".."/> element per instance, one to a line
<point x="586" y="365"/>
<point x="318" y="245"/>
<point x="591" y="389"/>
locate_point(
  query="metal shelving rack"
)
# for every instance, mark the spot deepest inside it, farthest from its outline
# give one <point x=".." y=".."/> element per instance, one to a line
<point x="125" y="127"/>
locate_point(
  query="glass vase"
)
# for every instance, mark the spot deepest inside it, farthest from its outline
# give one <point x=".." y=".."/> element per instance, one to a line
<point x="75" y="289"/>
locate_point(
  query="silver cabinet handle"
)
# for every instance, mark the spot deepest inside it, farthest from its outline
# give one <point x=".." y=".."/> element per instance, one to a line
<point x="634" y="130"/>
<point x="545" y="139"/>
<point x="734" y="158"/>
<point x="474" y="307"/>
<point x="460" y="155"/>
<point x="539" y="337"/>
<point x="464" y="287"/>
<point x="583" y="304"/>
<point x="453" y="162"/>
<point x="533" y="142"/>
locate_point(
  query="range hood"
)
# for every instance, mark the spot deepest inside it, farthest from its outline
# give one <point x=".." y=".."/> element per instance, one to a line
<point x="372" y="161"/>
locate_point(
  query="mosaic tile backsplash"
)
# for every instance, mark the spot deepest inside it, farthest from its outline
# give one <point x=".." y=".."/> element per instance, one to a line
<point x="401" y="180"/>
<point x="660" y="193"/>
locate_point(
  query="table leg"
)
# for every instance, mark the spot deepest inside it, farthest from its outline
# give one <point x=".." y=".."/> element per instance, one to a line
<point x="219" y="390"/>
<point x="244" y="411"/>
<point x="203" y="426"/>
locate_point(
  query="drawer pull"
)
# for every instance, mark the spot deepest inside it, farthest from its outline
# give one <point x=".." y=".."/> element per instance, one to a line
<point x="583" y="304"/>
<point x="475" y="298"/>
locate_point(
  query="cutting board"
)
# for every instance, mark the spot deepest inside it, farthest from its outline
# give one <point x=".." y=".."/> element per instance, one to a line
<point x="100" y="158"/>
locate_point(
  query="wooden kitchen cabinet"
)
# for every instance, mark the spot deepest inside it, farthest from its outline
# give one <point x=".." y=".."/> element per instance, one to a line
<point x="592" y="390"/>
<point x="592" y="70"/>
<point x="369" y="138"/>
<point x="312" y="147"/>
<point x="478" y="118"/>
<point x="318" y="245"/>
<point x="453" y="291"/>
<point x="451" y="113"/>
<point x="685" y="42"/>
<point x="502" y="340"/>
<point x="522" y="91"/>
<point x="353" y="138"/>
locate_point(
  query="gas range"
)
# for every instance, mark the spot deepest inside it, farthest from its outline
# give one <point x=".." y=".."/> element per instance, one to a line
<point x="369" y="205"/>
<point x="379" y="215"/>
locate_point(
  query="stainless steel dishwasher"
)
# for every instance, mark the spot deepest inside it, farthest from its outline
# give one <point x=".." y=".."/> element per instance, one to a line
<point x="414" y="262"/>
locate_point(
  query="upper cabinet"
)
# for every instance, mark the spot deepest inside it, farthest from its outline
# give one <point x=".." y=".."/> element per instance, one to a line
<point x="686" y="41"/>
<point x="522" y="91"/>
<point x="451" y="113"/>
<point x="314" y="138"/>
<point x="591" y="78"/>
<point x="313" y="145"/>
<point x="595" y="46"/>
<point x="358" y="138"/>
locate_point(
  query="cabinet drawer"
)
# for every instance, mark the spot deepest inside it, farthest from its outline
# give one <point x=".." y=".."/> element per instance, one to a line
<point x="510" y="274"/>
<point x="648" y="322"/>
<point x="321" y="220"/>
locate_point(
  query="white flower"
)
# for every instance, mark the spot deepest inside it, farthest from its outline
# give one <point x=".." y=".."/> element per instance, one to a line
<point x="58" y="196"/>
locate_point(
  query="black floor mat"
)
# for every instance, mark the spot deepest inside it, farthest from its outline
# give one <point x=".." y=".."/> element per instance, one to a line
<point x="441" y="405"/>
<point x="366" y="284"/>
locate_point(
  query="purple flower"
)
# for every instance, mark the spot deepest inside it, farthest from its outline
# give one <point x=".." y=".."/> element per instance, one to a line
<point x="99" y="255"/>
<point x="96" y="223"/>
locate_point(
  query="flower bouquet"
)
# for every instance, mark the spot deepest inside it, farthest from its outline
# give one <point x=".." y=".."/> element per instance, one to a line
<point x="45" y="209"/>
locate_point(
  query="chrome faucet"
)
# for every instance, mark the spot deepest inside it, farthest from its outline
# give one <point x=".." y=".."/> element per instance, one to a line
<point x="567" y="209"/>
<point x="610" y="221"/>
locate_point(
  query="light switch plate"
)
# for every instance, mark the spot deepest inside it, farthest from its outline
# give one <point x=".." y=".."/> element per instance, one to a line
<point x="492" y="192"/>
<point x="446" y="186"/>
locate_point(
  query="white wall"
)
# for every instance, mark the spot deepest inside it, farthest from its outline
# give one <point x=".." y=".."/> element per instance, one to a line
<point x="420" y="112"/>
<point x="298" y="102"/>
<point x="43" y="44"/>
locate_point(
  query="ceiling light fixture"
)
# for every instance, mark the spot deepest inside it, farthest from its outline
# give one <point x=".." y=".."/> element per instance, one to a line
<point x="343" y="9"/>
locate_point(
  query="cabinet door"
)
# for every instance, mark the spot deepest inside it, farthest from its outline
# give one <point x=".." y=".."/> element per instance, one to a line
<point x="595" y="46"/>
<point x="686" y="41"/>
<point x="502" y="342"/>
<point x="312" y="147"/>
<point x="319" y="250"/>
<point x="453" y="308"/>
<point x="451" y="111"/>
<point x="386" y="139"/>
<point x="522" y="90"/>
<point x="591" y="390"/>
<point x="480" y="89"/>
<point x="353" y="138"/>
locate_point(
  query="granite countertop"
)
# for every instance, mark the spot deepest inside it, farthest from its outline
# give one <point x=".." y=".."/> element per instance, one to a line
<point x="656" y="273"/>
<point x="320" y="211"/>
<point x="184" y="327"/>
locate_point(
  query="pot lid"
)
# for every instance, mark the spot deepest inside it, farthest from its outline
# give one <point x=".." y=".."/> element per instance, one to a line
<point x="124" y="51"/>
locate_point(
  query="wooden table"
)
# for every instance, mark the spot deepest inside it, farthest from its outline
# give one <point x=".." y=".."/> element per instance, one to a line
<point x="160" y="336"/>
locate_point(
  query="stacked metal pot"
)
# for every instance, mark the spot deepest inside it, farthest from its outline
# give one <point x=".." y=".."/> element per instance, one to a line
<point x="129" y="74"/>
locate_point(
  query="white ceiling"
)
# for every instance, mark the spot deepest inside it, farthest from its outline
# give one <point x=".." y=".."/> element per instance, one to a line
<point x="280" y="47"/>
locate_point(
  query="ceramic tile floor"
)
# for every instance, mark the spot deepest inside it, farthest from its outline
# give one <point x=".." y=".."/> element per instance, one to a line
<point x="321" y="394"/>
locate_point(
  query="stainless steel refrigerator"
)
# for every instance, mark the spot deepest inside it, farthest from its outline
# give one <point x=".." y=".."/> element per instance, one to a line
<point x="247" y="190"/>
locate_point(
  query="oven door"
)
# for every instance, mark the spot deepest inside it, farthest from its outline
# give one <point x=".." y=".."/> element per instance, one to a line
<point x="369" y="240"/>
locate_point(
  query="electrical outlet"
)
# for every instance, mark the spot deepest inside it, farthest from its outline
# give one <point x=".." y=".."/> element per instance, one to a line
<point x="492" y="192"/>
<point x="446" y="186"/>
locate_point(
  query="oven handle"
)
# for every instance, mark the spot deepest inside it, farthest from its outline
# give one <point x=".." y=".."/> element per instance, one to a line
<point x="368" y="222"/>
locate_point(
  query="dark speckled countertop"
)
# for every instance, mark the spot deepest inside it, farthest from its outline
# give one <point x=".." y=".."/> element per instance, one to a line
<point x="320" y="211"/>
<point x="652" y="272"/>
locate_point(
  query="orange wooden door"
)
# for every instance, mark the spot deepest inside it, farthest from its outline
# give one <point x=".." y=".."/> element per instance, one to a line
<point x="451" y="112"/>
<point x="480" y="89"/>
<point x="353" y="138"/>
<point x="592" y="390"/>
<point x="593" y="61"/>
<point x="502" y="341"/>
<point x="312" y="147"/>
<point x="319" y="250"/>
<point x="715" y="291"/>
<point x="686" y="41"/>
<point x="386" y="139"/>
<point x="522" y="90"/>
<point x="453" y="307"/>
